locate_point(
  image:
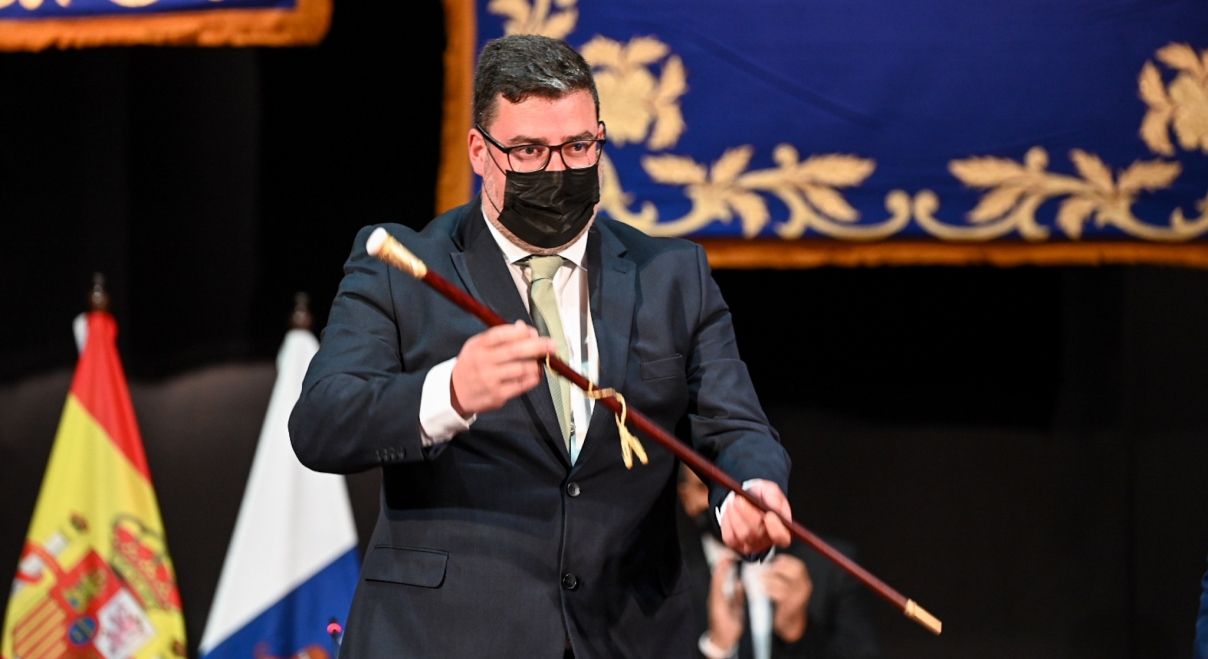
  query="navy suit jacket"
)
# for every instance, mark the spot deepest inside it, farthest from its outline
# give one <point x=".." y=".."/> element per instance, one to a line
<point x="493" y="544"/>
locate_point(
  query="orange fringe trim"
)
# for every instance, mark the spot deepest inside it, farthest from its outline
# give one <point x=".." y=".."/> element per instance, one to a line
<point x="306" y="24"/>
<point x="737" y="253"/>
<point x="453" y="179"/>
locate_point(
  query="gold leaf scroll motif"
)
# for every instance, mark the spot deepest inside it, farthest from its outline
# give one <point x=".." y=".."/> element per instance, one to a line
<point x="32" y="4"/>
<point x="637" y="106"/>
<point x="1016" y="190"/>
<point x="1182" y="106"/>
<point x="540" y="17"/>
<point x="726" y="189"/>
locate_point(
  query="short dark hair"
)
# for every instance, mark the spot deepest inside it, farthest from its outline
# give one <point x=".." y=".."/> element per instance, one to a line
<point x="522" y="65"/>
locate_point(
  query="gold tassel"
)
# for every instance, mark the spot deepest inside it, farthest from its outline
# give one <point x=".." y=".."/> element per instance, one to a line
<point x="630" y="444"/>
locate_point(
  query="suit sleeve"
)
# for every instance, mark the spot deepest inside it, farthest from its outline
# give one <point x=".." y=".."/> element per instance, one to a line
<point x="359" y="406"/>
<point x="725" y="418"/>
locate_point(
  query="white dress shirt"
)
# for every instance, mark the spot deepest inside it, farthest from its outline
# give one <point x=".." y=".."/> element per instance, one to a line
<point x="439" y="422"/>
<point x="758" y="605"/>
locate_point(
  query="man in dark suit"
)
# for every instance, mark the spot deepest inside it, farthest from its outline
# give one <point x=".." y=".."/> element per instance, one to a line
<point x="509" y="526"/>
<point x="795" y="604"/>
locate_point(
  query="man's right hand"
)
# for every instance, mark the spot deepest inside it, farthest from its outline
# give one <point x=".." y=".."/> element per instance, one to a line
<point x="497" y="365"/>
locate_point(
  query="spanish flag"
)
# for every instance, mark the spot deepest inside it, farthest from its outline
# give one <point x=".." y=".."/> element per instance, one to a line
<point x="95" y="579"/>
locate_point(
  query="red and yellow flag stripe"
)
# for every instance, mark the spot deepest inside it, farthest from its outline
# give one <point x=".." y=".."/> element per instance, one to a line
<point x="95" y="574"/>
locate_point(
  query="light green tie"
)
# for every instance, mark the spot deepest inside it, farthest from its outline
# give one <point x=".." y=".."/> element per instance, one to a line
<point x="544" y="307"/>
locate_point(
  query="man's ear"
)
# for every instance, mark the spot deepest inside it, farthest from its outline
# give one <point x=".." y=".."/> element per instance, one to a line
<point x="476" y="147"/>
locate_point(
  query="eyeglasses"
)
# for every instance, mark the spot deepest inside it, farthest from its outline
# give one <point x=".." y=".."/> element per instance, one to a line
<point x="524" y="158"/>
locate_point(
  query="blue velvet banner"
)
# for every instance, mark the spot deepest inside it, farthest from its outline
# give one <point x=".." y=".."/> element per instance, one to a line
<point x="942" y="121"/>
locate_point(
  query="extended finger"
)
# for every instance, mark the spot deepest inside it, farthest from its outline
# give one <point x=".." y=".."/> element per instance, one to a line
<point x="721" y="572"/>
<point x="776" y="531"/>
<point x="736" y="529"/>
<point x="526" y="348"/>
<point x="500" y="334"/>
<point x="527" y="376"/>
<point x="515" y="371"/>
<point x="775" y="587"/>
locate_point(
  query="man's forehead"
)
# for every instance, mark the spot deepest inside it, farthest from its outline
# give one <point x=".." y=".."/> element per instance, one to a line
<point x="566" y="116"/>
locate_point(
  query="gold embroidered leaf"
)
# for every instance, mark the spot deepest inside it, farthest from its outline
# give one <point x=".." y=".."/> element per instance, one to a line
<point x="752" y="211"/>
<point x="1151" y="87"/>
<point x="785" y="155"/>
<point x="1036" y="159"/>
<point x="1093" y="170"/>
<point x="830" y="203"/>
<point x="765" y="179"/>
<point x="517" y="10"/>
<point x="1191" y="118"/>
<point x="995" y="204"/>
<point x="835" y="170"/>
<point x="673" y="82"/>
<point x="1154" y="132"/>
<point x="1183" y="57"/>
<point x="602" y="53"/>
<point x="985" y="172"/>
<point x="731" y="164"/>
<point x="561" y="24"/>
<point x="709" y="201"/>
<point x="668" y="126"/>
<point x="674" y="170"/>
<point x="1149" y="175"/>
<point x="644" y="50"/>
<point x="1073" y="214"/>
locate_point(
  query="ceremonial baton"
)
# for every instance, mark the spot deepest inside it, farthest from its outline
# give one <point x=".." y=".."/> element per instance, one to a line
<point x="385" y="247"/>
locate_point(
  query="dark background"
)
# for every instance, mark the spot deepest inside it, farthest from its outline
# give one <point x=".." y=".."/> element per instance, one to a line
<point x="1019" y="450"/>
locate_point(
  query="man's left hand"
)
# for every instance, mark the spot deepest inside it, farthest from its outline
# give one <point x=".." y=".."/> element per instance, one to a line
<point x="748" y="530"/>
<point x="787" y="582"/>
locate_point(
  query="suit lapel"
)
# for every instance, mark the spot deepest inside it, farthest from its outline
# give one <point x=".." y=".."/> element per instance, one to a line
<point x="480" y="264"/>
<point x="611" y="295"/>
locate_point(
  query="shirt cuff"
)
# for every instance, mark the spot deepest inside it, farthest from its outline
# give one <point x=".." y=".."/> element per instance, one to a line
<point x="711" y="651"/>
<point x="725" y="503"/>
<point x="438" y="421"/>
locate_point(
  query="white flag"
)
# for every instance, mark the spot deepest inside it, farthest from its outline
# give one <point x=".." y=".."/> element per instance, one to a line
<point x="292" y="564"/>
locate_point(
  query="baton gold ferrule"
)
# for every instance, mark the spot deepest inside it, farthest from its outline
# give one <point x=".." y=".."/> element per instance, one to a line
<point x="921" y="616"/>
<point x="384" y="246"/>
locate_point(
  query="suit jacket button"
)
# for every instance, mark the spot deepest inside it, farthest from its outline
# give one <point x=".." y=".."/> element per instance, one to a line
<point x="570" y="581"/>
<point x="572" y="488"/>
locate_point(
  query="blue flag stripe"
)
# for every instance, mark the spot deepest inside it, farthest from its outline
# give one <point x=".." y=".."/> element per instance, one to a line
<point x="299" y="620"/>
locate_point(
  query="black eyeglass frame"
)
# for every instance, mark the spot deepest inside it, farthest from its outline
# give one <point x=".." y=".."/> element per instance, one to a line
<point x="598" y="142"/>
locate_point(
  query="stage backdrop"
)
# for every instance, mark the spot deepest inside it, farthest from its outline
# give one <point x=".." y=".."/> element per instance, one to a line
<point x="787" y="133"/>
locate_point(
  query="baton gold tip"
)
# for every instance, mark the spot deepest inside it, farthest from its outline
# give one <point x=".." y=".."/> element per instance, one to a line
<point x="921" y="616"/>
<point x="374" y="244"/>
<point x="382" y="245"/>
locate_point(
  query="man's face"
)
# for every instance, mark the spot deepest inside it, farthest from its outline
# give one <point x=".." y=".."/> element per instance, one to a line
<point x="535" y="120"/>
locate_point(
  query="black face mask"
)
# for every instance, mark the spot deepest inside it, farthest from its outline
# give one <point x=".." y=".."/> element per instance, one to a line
<point x="548" y="209"/>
